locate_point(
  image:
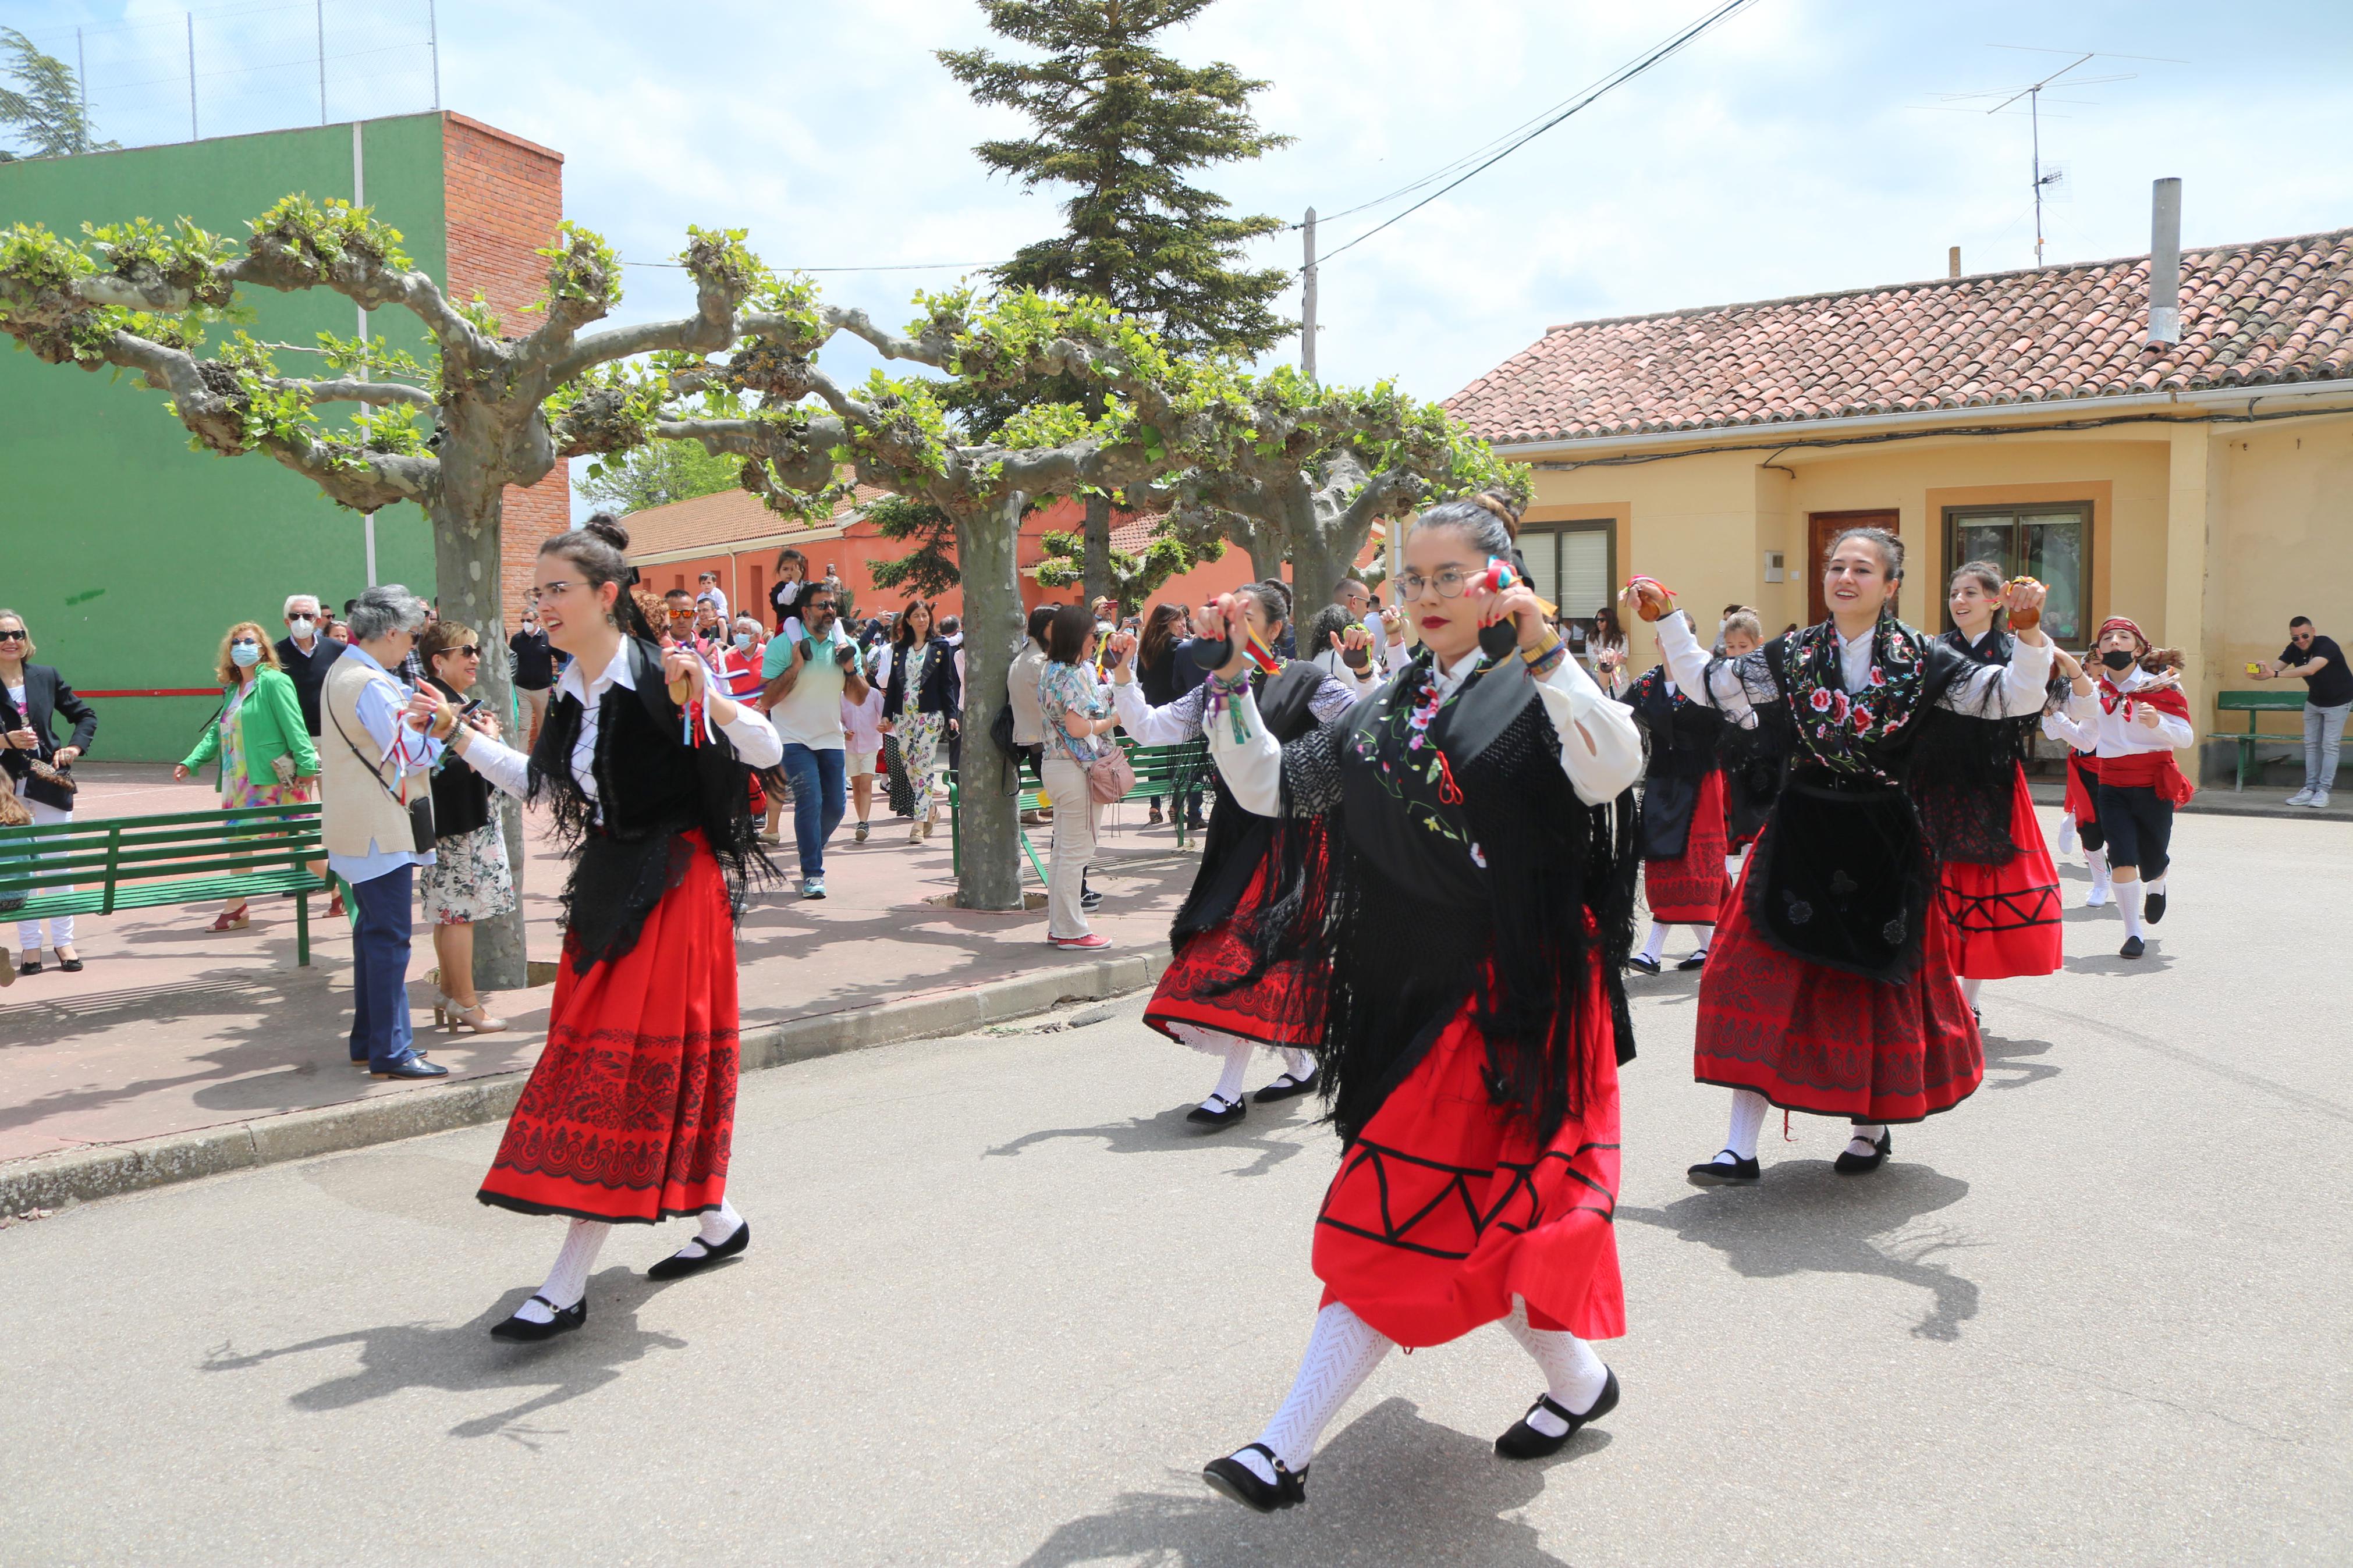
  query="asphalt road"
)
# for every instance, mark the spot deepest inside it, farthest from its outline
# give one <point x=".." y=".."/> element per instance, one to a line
<point x="1002" y="1304"/>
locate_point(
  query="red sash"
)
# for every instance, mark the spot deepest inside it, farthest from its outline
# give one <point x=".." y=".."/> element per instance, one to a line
<point x="2147" y="770"/>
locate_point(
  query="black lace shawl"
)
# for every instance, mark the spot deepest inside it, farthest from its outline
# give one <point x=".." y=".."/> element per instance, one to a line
<point x="629" y="845"/>
<point x="1679" y="738"/>
<point x="1467" y="881"/>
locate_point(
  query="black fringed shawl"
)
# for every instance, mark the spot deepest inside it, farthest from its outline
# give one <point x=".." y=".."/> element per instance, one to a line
<point x="1462" y="868"/>
<point x="1238" y="841"/>
<point x="627" y="843"/>
<point x="1881" y="786"/>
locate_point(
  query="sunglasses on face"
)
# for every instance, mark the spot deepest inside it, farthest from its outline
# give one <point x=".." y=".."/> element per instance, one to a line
<point x="12" y="637"/>
<point x="468" y="649"/>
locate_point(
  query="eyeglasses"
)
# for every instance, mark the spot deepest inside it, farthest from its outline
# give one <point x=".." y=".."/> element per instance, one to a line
<point x="12" y="637"/>
<point x="468" y="649"/>
<point x="1450" y="583"/>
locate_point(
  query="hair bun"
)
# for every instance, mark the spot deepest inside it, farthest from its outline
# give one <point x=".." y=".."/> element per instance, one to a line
<point x="607" y="527"/>
<point x="1499" y="501"/>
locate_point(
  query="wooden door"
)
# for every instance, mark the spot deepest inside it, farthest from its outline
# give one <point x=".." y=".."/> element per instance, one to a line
<point x="1821" y="527"/>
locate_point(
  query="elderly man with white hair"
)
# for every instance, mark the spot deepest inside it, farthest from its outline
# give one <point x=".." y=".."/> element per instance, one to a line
<point x="374" y="761"/>
<point x="305" y="652"/>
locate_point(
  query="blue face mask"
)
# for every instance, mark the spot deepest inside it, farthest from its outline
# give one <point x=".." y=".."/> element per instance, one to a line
<point x="243" y="655"/>
<point x="742" y="639"/>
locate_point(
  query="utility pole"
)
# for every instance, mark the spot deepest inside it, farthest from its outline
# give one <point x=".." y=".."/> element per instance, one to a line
<point x="319" y="7"/>
<point x="433" y="47"/>
<point x="193" y="134"/>
<point x="1307" y="302"/>
<point x="2034" y="96"/>
<point x="81" y="79"/>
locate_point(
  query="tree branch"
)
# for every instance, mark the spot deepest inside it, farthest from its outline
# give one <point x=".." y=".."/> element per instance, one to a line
<point x="348" y="390"/>
<point x="888" y="344"/>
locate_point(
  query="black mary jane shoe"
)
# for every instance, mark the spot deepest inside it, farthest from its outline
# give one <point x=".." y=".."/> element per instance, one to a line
<point x="1525" y="1442"/>
<point x="1286" y="1087"/>
<point x="1716" y="1173"/>
<point x="2133" y="947"/>
<point x="1850" y="1164"/>
<point x="69" y="966"/>
<point x="1697" y="961"/>
<point x="523" y="1331"/>
<point x="678" y="1266"/>
<point x="1235" y="1109"/>
<point x="28" y="966"/>
<point x="1230" y="1478"/>
<point x="1647" y="965"/>
<point x="2153" y="908"/>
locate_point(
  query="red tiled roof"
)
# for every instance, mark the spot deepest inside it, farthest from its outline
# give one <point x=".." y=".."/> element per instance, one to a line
<point x="2276" y="311"/>
<point x="720" y="520"/>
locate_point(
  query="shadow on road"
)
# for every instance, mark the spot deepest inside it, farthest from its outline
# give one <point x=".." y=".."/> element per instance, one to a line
<point x="397" y="1357"/>
<point x="2008" y="1057"/>
<point x="1392" y="1487"/>
<point x="1169" y="1131"/>
<point x="1804" y="1219"/>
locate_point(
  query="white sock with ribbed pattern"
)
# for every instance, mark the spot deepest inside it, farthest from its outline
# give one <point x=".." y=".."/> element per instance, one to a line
<point x="1341" y="1353"/>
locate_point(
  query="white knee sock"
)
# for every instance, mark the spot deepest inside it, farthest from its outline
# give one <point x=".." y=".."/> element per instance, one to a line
<point x="2098" y="860"/>
<point x="1656" y="943"/>
<point x="568" y="1280"/>
<point x="2155" y="884"/>
<point x="2066" y="836"/>
<point x="1298" y="1064"/>
<point x="1969" y="990"/>
<point x="1732" y="867"/>
<point x="1706" y="933"/>
<point x="1866" y="1138"/>
<point x="1230" y="1078"/>
<point x="1574" y="1375"/>
<point x="717" y="1225"/>
<point x="1341" y="1353"/>
<point x="2129" y="897"/>
<point x="1748" y="1109"/>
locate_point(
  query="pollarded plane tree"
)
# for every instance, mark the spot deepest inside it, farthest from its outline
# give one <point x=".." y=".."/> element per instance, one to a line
<point x="1139" y="415"/>
<point x="448" y="431"/>
<point x="1302" y="472"/>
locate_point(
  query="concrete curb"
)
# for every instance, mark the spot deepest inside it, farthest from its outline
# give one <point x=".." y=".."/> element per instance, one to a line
<point x="78" y="1175"/>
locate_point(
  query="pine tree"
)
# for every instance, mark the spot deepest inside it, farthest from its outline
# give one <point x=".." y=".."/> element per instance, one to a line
<point x="1125" y="125"/>
<point x="46" y="113"/>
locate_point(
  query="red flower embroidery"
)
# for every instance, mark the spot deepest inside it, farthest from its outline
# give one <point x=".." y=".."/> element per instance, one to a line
<point x="1878" y="677"/>
<point x="1820" y="701"/>
<point x="1839" y="708"/>
<point x="1861" y="714"/>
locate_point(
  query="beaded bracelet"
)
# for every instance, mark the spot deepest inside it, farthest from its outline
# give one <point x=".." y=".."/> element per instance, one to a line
<point x="1543" y="663"/>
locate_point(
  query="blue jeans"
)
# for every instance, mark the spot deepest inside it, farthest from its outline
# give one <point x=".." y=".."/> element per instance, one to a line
<point x="2323" y="733"/>
<point x="380" y="1032"/>
<point x="818" y="777"/>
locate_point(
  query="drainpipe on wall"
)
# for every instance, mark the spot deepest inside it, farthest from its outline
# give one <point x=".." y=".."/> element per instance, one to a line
<point x="2164" y="263"/>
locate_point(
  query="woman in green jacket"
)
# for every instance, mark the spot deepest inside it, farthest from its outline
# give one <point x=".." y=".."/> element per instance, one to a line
<point x="265" y="751"/>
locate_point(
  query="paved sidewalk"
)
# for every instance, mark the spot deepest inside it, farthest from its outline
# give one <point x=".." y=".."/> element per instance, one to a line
<point x="174" y="1027"/>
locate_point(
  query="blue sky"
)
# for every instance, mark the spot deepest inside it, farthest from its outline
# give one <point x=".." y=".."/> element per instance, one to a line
<point x="1794" y="149"/>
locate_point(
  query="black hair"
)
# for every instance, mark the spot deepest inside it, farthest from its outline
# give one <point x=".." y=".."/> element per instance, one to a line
<point x="899" y="634"/>
<point x="599" y="548"/>
<point x="1890" y="548"/>
<point x="1990" y="578"/>
<point x="1067" y="633"/>
<point x="2299" y="621"/>
<point x="1040" y="618"/>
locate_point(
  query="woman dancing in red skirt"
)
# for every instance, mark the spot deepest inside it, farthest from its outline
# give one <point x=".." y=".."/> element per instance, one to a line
<point x="1832" y="987"/>
<point x="1999" y="888"/>
<point x="628" y="1114"/>
<point x="1470" y="918"/>
<point x="1201" y="1000"/>
<point x="1681" y="834"/>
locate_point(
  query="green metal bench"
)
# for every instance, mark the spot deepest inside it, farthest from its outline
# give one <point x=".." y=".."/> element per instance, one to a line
<point x="1162" y="772"/>
<point x="149" y="862"/>
<point x="2254" y="705"/>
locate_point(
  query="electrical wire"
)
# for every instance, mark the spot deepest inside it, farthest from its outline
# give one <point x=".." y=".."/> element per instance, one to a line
<point x="1616" y="79"/>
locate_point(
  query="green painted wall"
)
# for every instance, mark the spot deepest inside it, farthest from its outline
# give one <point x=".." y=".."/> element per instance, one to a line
<point x="128" y="555"/>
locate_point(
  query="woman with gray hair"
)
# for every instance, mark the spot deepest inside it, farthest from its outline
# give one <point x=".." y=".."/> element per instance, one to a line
<point x="374" y="761"/>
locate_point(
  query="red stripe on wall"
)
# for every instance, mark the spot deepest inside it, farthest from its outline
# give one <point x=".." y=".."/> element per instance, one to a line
<point x="161" y="691"/>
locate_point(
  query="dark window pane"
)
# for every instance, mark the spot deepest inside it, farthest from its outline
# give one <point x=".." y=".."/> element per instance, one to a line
<point x="2054" y="555"/>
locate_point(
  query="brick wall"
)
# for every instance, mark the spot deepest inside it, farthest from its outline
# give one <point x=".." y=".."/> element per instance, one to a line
<point x="504" y="198"/>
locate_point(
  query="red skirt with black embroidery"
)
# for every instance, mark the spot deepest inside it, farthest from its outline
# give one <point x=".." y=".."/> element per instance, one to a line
<point x="2005" y="919"/>
<point x="629" y="1113"/>
<point x="1821" y="1040"/>
<point x="1689" y="890"/>
<point x="1443" y="1209"/>
<point x="1285" y="1006"/>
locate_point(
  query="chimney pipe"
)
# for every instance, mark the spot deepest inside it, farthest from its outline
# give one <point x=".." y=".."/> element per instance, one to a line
<point x="2164" y="263"/>
<point x="1953" y="262"/>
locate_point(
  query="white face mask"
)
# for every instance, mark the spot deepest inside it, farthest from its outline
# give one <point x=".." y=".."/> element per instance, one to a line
<point x="303" y="626"/>
<point x="243" y="655"/>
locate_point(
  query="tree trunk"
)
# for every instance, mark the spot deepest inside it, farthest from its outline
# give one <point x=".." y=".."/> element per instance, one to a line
<point x="1319" y="558"/>
<point x="466" y="580"/>
<point x="1263" y="545"/>
<point x="1097" y="564"/>
<point x="989" y="830"/>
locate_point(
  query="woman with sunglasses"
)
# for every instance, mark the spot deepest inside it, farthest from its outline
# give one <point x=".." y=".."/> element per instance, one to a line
<point x="32" y="697"/>
<point x="264" y="745"/>
<point x="1830" y="987"/>
<point x="1213" y="997"/>
<point x="471" y="878"/>
<point x="1469" y="920"/>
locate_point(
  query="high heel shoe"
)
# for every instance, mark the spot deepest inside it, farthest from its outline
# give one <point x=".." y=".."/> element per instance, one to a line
<point x="475" y="1018"/>
<point x="233" y="920"/>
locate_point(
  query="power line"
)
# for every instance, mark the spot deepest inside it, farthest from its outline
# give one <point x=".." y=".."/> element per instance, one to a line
<point x="1617" y="78"/>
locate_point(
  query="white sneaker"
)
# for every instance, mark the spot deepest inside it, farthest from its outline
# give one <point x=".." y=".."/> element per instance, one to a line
<point x="2319" y="801"/>
<point x="2099" y="896"/>
<point x="2066" y="836"/>
<point x="2302" y="797"/>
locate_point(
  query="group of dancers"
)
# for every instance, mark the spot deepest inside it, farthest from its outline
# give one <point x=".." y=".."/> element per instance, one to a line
<point x="1422" y="899"/>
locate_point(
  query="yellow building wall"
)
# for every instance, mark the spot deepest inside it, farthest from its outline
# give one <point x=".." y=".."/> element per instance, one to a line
<point x="2285" y="544"/>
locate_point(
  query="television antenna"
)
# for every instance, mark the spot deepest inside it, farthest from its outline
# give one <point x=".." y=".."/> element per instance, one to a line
<point x="2048" y="183"/>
